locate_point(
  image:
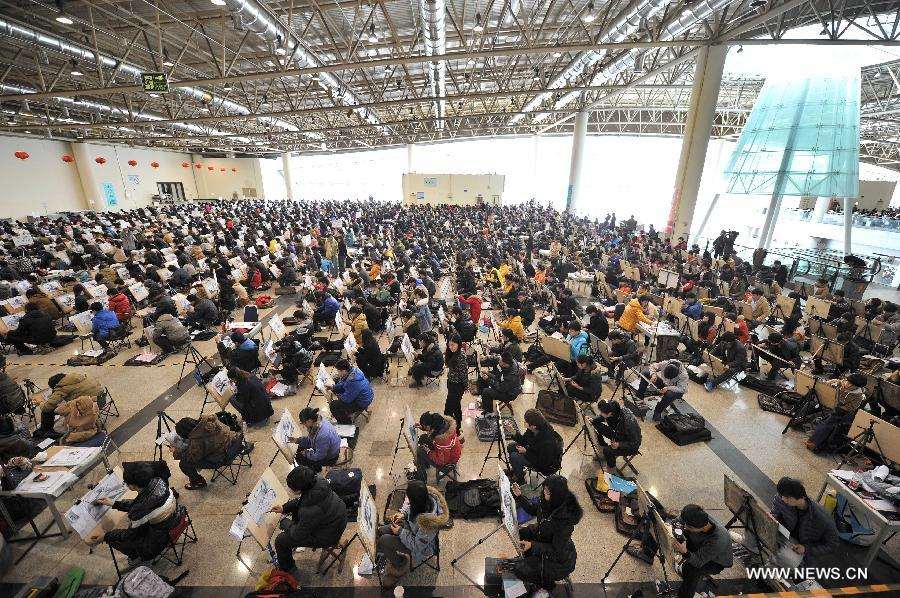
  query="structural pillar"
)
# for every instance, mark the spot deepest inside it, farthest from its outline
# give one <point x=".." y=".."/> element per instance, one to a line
<point x="579" y="135"/>
<point x="697" y="129"/>
<point x="768" y="238"/>
<point x="288" y="177"/>
<point x="848" y="224"/>
<point x="821" y="209"/>
<point x="409" y="157"/>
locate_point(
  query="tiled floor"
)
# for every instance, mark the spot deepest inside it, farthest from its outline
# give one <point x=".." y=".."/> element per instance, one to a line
<point x="747" y="444"/>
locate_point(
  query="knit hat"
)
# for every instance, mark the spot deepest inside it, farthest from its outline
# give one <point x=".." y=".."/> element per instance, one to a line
<point x="694" y="516"/>
<point x="185" y="426"/>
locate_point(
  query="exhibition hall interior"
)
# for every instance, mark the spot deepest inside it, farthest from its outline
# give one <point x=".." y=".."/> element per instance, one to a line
<point x="449" y="298"/>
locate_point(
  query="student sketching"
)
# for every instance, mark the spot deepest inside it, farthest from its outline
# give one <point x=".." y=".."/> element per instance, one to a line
<point x="322" y="444"/>
<point x="706" y="549"/>
<point x="539" y="448"/>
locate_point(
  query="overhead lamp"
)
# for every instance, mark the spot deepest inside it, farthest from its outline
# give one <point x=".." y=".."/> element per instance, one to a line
<point x="478" y="28"/>
<point x="557" y="54"/>
<point x="218" y="2"/>
<point x="166" y="61"/>
<point x="280" y="51"/>
<point x="471" y="61"/>
<point x="75" y="72"/>
<point x="226" y="86"/>
<point x="323" y="146"/>
<point x="372" y="37"/>
<point x="588" y="16"/>
<point x="62" y="18"/>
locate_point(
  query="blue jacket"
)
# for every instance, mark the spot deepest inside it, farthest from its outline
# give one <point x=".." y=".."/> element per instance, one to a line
<point x="694" y="311"/>
<point x="326" y="444"/>
<point x="578" y="345"/>
<point x="103" y="322"/>
<point x="328" y="309"/>
<point x="355" y="390"/>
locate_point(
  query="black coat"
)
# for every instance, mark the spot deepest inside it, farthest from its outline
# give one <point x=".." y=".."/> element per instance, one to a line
<point x="543" y="449"/>
<point x="552" y="556"/>
<point x="11" y="396"/>
<point x="373" y="317"/>
<point x="252" y="400"/>
<point x="36" y="327"/>
<point x="319" y="516"/>
<point x="432" y="359"/>
<point x="370" y="360"/>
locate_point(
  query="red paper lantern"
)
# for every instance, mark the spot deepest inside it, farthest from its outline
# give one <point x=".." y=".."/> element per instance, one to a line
<point x="211" y="167"/>
<point x="22" y="155"/>
<point x="132" y="162"/>
<point x="100" y="160"/>
<point x="199" y="166"/>
<point x="67" y="158"/>
<point x="185" y="165"/>
<point x="234" y="170"/>
<point x="154" y="164"/>
<point x="222" y="169"/>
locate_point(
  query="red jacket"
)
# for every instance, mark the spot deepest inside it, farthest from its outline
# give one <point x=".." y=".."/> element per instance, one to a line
<point x="447" y="449"/>
<point x="474" y="303"/>
<point x="122" y="306"/>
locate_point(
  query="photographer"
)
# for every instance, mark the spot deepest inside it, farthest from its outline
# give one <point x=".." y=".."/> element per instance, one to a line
<point x="706" y="546"/>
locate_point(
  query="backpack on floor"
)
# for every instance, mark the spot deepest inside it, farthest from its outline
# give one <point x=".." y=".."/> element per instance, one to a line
<point x="557" y="408"/>
<point x="474" y="499"/>
<point x="487" y="429"/>
<point x="769" y="387"/>
<point x="251" y="313"/>
<point x="143" y="582"/>
<point x="783" y="403"/>
<point x="684" y="428"/>
<point x="346" y="483"/>
<point x="851" y="528"/>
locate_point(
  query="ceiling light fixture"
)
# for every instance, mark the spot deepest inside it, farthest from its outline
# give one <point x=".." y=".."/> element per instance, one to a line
<point x="280" y="51"/>
<point x="76" y="73"/>
<point x="227" y="87"/>
<point x="478" y="28"/>
<point x="62" y="18"/>
<point x="218" y="2"/>
<point x="372" y="37"/>
<point x="588" y="16"/>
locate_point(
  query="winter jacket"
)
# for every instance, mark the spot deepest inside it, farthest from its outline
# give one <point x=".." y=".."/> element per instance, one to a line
<point x="552" y="556"/>
<point x="120" y="304"/>
<point x="432" y="359"/>
<point x="509" y="384"/>
<point x="474" y="303"/>
<point x="465" y="327"/>
<point x="323" y="444"/>
<point x="208" y="442"/>
<point x="812" y="527"/>
<point x="165" y="306"/>
<point x="677" y="384"/>
<point x="590" y="381"/>
<point x="445" y="448"/>
<point x="626" y="431"/>
<point x="514" y="323"/>
<point x="11" y="396"/>
<point x="355" y="390"/>
<point x="81" y="419"/>
<point x="319" y="516"/>
<point x="72" y="386"/>
<point x="694" y="311"/>
<point x="169" y="327"/>
<point x="245" y="356"/>
<point x="579" y="344"/>
<point x="151" y="514"/>
<point x="46" y="304"/>
<point x="36" y="328"/>
<point x="328" y="309"/>
<point x="205" y="313"/>
<point x="357" y="325"/>
<point x="103" y="323"/>
<point x="419" y="535"/>
<point x="17" y="444"/>
<point x="734" y="357"/>
<point x="423" y="316"/>
<point x="252" y="400"/>
<point x="543" y="449"/>
<point x="711" y="547"/>
<point x="632" y="316"/>
<point x="762" y="309"/>
<point x="370" y="360"/>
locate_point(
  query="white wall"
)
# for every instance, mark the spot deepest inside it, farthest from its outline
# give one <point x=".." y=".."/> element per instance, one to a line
<point x="458" y="189"/>
<point x="45" y="184"/>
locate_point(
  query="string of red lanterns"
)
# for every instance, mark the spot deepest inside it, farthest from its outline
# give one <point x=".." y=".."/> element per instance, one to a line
<point x="22" y="155"/>
<point x="100" y="160"/>
<point x="67" y="159"/>
<point x="132" y="162"/>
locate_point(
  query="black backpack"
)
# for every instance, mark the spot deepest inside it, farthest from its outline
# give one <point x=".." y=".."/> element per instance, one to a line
<point x="230" y="421"/>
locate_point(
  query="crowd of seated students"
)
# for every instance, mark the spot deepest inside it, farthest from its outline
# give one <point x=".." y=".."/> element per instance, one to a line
<point x="502" y="257"/>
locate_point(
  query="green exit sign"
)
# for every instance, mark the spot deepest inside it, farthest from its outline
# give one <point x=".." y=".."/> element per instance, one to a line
<point x="155" y="82"/>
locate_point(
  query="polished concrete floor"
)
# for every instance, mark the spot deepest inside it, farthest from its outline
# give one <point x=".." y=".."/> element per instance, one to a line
<point x="747" y="445"/>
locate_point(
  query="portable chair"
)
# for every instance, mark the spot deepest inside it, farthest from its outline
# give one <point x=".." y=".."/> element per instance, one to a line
<point x="436" y="557"/>
<point x="231" y="469"/>
<point x="627" y="463"/>
<point x="109" y="409"/>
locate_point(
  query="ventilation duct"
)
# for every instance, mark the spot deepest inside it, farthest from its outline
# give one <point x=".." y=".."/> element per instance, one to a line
<point x="434" y="38"/>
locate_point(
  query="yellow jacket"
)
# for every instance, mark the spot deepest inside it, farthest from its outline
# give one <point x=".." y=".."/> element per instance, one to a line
<point x="632" y="315"/>
<point x="502" y="271"/>
<point x="359" y="324"/>
<point x="515" y="324"/>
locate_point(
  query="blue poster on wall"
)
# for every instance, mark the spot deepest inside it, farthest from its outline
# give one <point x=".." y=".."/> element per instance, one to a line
<point x="109" y="193"/>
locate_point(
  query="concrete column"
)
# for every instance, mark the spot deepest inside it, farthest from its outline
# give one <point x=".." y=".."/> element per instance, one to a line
<point x="700" y="116"/>
<point x="579" y="136"/>
<point x="773" y="223"/>
<point x="534" y="165"/>
<point x="821" y="209"/>
<point x="409" y="157"/>
<point x="200" y="176"/>
<point x="709" y="210"/>
<point x="90" y="184"/>
<point x="848" y="224"/>
<point x="767" y="223"/>
<point x="288" y="177"/>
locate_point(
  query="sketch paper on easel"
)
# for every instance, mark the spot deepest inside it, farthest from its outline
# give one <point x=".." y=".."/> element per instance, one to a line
<point x="260" y="501"/>
<point x="84" y="515"/>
